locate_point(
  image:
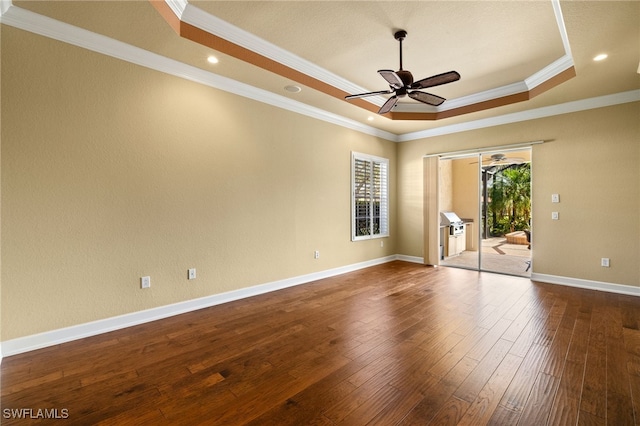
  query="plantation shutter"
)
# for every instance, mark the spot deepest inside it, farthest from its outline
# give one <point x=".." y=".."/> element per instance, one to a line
<point x="370" y="198"/>
<point x="362" y="196"/>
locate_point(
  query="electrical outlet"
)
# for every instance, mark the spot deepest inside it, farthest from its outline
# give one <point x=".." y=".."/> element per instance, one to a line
<point x="604" y="262"/>
<point x="316" y="254"/>
<point x="192" y="274"/>
<point x="555" y="216"/>
<point x="555" y="198"/>
<point x="145" y="282"/>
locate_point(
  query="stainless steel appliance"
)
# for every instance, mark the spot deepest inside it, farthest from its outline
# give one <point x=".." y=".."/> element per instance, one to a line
<point x="455" y="224"/>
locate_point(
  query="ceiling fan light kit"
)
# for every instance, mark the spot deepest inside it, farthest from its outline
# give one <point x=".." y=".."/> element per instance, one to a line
<point x="401" y="84"/>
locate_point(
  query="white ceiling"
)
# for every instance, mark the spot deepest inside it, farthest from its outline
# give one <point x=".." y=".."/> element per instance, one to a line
<point x="496" y="46"/>
<point x="355" y="39"/>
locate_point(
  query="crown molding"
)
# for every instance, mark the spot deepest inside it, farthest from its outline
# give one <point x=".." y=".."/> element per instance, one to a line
<point x="475" y="98"/>
<point x="557" y="11"/>
<point x="177" y="6"/>
<point x="4" y="6"/>
<point x="213" y="25"/>
<point x="533" y="114"/>
<point x="548" y="72"/>
<point x="528" y="84"/>
<point x="51" y="28"/>
<point x="510" y="93"/>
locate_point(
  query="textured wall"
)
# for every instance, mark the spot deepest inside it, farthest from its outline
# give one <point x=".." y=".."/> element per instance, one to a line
<point x="592" y="161"/>
<point x="111" y="171"/>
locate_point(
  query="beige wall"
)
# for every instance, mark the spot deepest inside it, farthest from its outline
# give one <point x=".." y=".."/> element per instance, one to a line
<point x="111" y="171"/>
<point x="446" y="185"/>
<point x="592" y="161"/>
<point x="459" y="191"/>
<point x="466" y="190"/>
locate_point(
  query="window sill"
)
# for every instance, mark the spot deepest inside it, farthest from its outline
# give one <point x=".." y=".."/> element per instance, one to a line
<point x="369" y="237"/>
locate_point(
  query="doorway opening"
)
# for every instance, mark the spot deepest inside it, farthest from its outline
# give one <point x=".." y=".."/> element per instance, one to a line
<point x="490" y="194"/>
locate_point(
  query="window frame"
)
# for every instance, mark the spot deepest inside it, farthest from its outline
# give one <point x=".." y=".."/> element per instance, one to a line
<point x="383" y="230"/>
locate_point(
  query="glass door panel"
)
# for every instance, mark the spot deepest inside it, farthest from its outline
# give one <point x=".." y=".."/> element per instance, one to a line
<point x="459" y="186"/>
<point x="505" y="210"/>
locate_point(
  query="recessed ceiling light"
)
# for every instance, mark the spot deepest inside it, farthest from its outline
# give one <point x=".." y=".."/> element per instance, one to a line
<point x="600" y="57"/>
<point x="370" y="118"/>
<point x="293" y="89"/>
<point x="212" y="60"/>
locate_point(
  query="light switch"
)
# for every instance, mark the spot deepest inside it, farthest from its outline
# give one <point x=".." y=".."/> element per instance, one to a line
<point x="555" y="216"/>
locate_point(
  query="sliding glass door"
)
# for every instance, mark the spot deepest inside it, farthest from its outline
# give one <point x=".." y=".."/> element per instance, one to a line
<point x="505" y="205"/>
<point x="459" y="200"/>
<point x="484" y="204"/>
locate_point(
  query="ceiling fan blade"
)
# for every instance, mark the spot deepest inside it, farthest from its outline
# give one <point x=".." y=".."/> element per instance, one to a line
<point x="391" y="102"/>
<point x="515" y="160"/>
<point x="362" y="95"/>
<point x="392" y="78"/>
<point x="426" y="98"/>
<point x="436" y="80"/>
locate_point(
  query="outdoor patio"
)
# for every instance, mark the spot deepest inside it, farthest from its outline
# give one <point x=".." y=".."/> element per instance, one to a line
<point x="497" y="256"/>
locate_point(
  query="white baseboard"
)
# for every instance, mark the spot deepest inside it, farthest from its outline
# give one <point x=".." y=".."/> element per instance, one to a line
<point x="412" y="259"/>
<point x="587" y="284"/>
<point x="67" y="334"/>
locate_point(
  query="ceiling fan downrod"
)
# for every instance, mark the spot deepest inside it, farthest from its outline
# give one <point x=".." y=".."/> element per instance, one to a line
<point x="401" y="84"/>
<point x="400" y="35"/>
<point x="405" y="76"/>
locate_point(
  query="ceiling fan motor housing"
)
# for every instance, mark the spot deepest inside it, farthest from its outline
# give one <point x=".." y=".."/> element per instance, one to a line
<point x="401" y="84"/>
<point x="400" y="34"/>
<point x="406" y="77"/>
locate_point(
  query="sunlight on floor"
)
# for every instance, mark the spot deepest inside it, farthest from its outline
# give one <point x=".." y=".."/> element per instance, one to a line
<point x="497" y="256"/>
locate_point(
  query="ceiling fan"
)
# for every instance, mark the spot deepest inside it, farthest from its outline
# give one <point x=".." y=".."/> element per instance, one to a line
<point x="500" y="160"/>
<point x="401" y="84"/>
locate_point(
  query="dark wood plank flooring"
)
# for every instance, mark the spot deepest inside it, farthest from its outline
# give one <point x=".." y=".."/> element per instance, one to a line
<point x="398" y="343"/>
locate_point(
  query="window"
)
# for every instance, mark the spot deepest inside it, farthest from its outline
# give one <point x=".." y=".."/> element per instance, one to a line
<point x="370" y="197"/>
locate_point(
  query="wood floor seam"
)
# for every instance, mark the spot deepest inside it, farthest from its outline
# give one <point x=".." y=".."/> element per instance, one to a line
<point x="394" y="344"/>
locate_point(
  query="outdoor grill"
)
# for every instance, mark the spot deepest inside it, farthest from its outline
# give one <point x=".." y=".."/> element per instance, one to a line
<point x="455" y="224"/>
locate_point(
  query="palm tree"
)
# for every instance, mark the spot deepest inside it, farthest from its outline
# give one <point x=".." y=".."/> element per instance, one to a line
<point x="518" y="192"/>
<point x="497" y="203"/>
<point x="509" y="199"/>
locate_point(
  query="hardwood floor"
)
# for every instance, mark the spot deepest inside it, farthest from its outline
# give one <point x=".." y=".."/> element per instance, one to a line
<point x="398" y="343"/>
